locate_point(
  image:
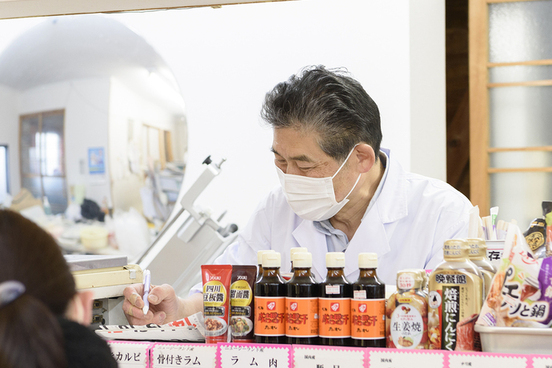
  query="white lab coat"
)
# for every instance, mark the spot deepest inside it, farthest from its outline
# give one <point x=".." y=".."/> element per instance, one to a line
<point x="406" y="227"/>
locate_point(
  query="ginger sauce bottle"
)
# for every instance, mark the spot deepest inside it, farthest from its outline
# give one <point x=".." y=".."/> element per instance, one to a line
<point x="334" y="304"/>
<point x="302" y="302"/>
<point x="270" y="297"/>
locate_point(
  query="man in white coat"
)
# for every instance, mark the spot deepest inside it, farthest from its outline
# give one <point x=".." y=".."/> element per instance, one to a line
<point x="339" y="193"/>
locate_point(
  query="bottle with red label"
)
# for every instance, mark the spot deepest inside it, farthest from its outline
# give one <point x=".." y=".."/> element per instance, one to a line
<point x="334" y="304"/>
<point x="302" y="302"/>
<point x="270" y="298"/>
<point x="368" y="305"/>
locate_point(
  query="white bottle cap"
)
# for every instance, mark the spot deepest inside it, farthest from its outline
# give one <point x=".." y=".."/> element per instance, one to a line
<point x="293" y="251"/>
<point x="260" y="255"/>
<point x="335" y="260"/>
<point x="302" y="260"/>
<point x="367" y="260"/>
<point x="272" y="260"/>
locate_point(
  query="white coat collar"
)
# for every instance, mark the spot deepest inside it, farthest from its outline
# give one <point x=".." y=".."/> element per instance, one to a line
<point x="371" y="236"/>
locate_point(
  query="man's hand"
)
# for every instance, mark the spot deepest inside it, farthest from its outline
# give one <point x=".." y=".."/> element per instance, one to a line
<point x="164" y="305"/>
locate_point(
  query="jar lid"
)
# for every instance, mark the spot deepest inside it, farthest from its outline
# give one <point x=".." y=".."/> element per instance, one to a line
<point x="335" y="260"/>
<point x="302" y="260"/>
<point x="477" y="248"/>
<point x="294" y="251"/>
<point x="260" y="255"/>
<point x="367" y="260"/>
<point x="410" y="279"/>
<point x="455" y="249"/>
<point x="272" y="260"/>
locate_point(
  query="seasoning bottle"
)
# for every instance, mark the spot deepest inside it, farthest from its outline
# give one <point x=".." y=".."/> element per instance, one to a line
<point x="302" y="302"/>
<point x="368" y="305"/>
<point x="270" y="293"/>
<point x="260" y="262"/>
<point x="406" y="312"/>
<point x="293" y="251"/>
<point x="334" y="304"/>
<point x="455" y="297"/>
<point x="478" y="255"/>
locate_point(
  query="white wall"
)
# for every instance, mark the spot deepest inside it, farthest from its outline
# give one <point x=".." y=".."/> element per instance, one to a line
<point x="226" y="59"/>
<point x="9" y="134"/>
<point x="86" y="105"/>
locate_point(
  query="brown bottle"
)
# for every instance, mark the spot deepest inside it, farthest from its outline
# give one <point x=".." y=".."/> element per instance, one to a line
<point x="302" y="303"/>
<point x="260" y="262"/>
<point x="478" y="255"/>
<point x="334" y="304"/>
<point x="270" y="296"/>
<point x="368" y="305"/>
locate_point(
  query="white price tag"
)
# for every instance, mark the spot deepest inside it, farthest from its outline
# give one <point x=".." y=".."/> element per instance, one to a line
<point x="254" y="356"/>
<point x="542" y="362"/>
<point x="316" y="357"/>
<point x="480" y="360"/>
<point x="183" y="355"/>
<point x="406" y="359"/>
<point x="130" y="354"/>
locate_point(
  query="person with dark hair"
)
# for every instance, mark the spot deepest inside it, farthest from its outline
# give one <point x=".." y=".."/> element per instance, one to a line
<point x="340" y="192"/>
<point x="42" y="316"/>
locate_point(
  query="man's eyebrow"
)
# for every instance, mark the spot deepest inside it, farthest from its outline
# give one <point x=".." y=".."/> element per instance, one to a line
<point x="304" y="158"/>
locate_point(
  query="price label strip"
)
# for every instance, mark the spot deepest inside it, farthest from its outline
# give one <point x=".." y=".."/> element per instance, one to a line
<point x="309" y="356"/>
<point x="183" y="355"/>
<point x="131" y="354"/>
<point x="254" y="356"/>
<point x="485" y="360"/>
<point x="406" y="358"/>
<point x="542" y="361"/>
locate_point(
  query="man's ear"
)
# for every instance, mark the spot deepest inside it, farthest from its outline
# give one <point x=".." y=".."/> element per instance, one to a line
<point x="80" y="307"/>
<point x="366" y="157"/>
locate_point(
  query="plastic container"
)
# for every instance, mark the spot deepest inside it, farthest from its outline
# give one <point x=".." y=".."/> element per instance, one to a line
<point x="94" y="237"/>
<point x="515" y="340"/>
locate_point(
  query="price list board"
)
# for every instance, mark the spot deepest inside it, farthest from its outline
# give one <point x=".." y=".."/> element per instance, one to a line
<point x="130" y="354"/>
<point x="396" y="358"/>
<point x="254" y="356"/>
<point x="169" y="355"/>
<point x="328" y="357"/>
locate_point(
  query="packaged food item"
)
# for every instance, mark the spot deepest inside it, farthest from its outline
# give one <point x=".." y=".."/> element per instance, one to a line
<point x="521" y="291"/>
<point x="478" y="255"/>
<point x="368" y="305"/>
<point x="270" y="298"/>
<point x="547" y="213"/>
<point x="455" y="295"/>
<point x="302" y="302"/>
<point x="535" y="237"/>
<point x="334" y="304"/>
<point x="216" y="298"/>
<point x="406" y="312"/>
<point x="242" y="310"/>
<point x="260" y="262"/>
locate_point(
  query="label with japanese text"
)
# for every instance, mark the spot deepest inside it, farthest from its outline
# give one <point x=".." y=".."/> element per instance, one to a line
<point x="335" y="317"/>
<point x="302" y="317"/>
<point x="368" y="319"/>
<point x="270" y="314"/>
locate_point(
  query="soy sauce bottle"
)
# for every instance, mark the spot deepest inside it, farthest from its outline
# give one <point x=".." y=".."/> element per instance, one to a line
<point x="334" y="304"/>
<point x="302" y="302"/>
<point x="270" y="293"/>
<point x="260" y="262"/>
<point x="368" y="305"/>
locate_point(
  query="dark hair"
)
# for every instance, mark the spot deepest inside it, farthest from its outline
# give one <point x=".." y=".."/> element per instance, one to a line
<point x="329" y="102"/>
<point x="30" y="335"/>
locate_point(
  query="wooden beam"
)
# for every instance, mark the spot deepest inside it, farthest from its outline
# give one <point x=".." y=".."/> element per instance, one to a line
<point x="519" y="149"/>
<point x="521" y="63"/>
<point x="535" y="83"/>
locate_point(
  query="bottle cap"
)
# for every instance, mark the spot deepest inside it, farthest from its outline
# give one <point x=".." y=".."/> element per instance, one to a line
<point x="367" y="260"/>
<point x="302" y="260"/>
<point x="260" y="255"/>
<point x="293" y="251"/>
<point x="410" y="279"/>
<point x="335" y="260"/>
<point x="455" y="249"/>
<point x="272" y="260"/>
<point x="477" y="248"/>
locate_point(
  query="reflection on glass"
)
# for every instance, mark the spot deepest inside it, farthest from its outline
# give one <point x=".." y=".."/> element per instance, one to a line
<point x="520" y="31"/>
<point x="55" y="189"/>
<point x="520" y="116"/>
<point x="519" y="73"/>
<point x="30" y="138"/>
<point x="52" y="145"/>
<point x="519" y="195"/>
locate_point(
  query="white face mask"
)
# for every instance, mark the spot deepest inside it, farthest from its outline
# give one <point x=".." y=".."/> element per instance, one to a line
<point x="313" y="198"/>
